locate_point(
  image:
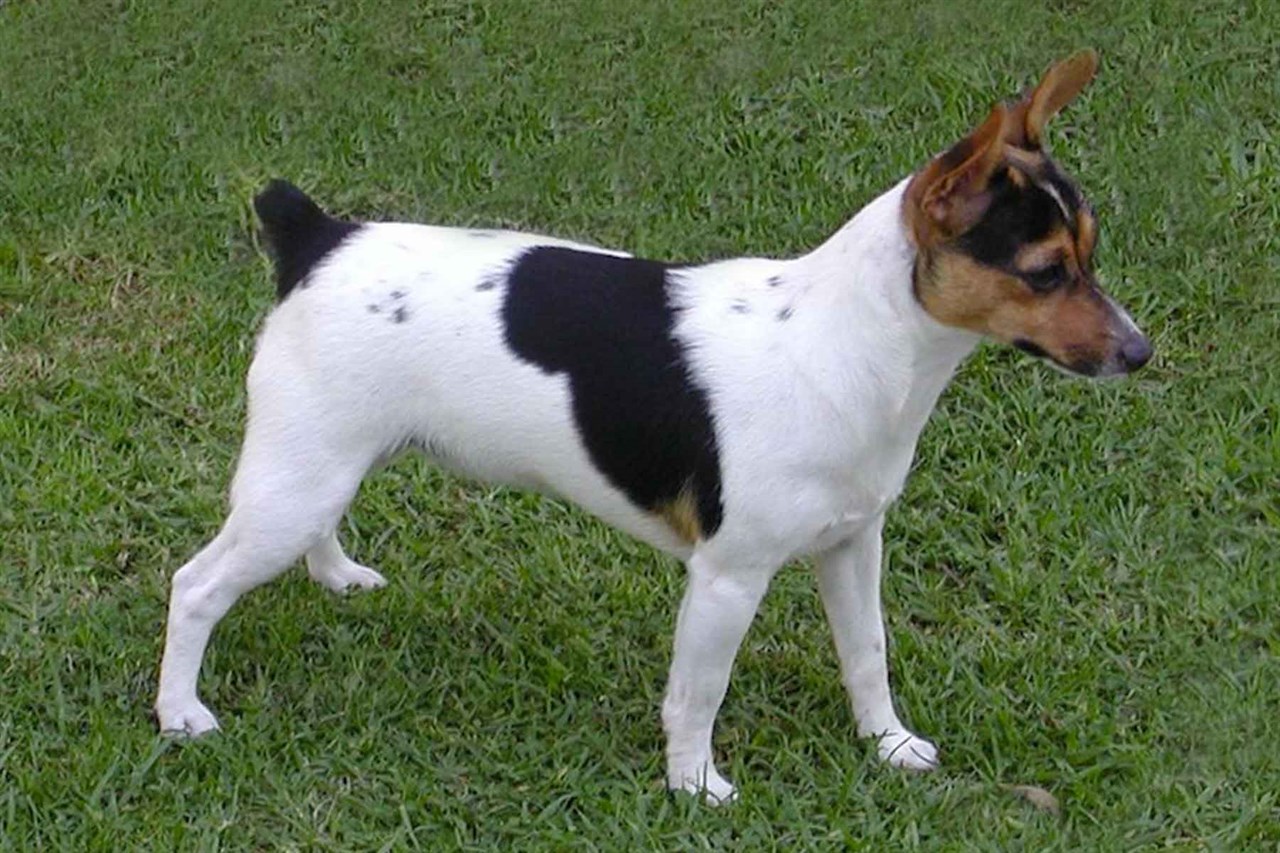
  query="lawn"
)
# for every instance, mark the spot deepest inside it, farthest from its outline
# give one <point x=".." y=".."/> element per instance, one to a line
<point x="1083" y="583"/>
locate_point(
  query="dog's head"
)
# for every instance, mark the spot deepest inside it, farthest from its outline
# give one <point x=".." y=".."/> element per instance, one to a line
<point x="1005" y="239"/>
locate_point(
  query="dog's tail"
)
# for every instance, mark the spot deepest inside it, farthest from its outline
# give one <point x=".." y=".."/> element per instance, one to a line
<point x="298" y="232"/>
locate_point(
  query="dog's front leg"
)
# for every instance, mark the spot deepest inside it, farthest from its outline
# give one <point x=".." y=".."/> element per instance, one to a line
<point x="717" y="609"/>
<point x="849" y="580"/>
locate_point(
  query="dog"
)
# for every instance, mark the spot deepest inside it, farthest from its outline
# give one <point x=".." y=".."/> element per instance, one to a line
<point x="735" y="414"/>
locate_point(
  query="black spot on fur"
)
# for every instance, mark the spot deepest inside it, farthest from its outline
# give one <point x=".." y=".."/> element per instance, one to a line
<point x="1018" y="216"/>
<point x="397" y="294"/>
<point x="372" y="308"/>
<point x="481" y="234"/>
<point x="784" y="314"/>
<point x="774" y="280"/>
<point x="488" y="283"/>
<point x="607" y="323"/>
<point x="740" y="306"/>
<point x="299" y="233"/>
<point x="400" y="314"/>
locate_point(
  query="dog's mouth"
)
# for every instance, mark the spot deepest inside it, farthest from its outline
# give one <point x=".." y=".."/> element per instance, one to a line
<point x="1128" y="355"/>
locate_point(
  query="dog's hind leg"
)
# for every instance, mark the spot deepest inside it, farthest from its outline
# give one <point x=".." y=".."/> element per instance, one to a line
<point x="291" y="489"/>
<point x="331" y="568"/>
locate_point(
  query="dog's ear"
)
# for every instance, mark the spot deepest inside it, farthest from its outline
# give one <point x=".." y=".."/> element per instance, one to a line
<point x="1059" y="87"/>
<point x="951" y="195"/>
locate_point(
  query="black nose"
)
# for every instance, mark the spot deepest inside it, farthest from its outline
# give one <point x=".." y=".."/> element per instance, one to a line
<point x="1135" y="352"/>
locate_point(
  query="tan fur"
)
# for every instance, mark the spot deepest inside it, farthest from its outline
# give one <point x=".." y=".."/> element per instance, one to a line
<point x="1071" y="323"/>
<point x="1059" y="87"/>
<point x="1086" y="235"/>
<point x="1045" y="252"/>
<point x="949" y="197"/>
<point x="681" y="515"/>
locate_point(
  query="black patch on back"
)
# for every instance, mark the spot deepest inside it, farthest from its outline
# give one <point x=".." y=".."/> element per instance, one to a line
<point x="298" y="232"/>
<point x="1017" y="217"/>
<point x="607" y="323"/>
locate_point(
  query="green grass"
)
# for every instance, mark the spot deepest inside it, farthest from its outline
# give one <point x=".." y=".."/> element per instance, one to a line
<point x="1083" y="584"/>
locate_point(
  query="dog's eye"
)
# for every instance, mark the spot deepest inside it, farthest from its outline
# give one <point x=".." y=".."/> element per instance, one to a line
<point x="1047" y="278"/>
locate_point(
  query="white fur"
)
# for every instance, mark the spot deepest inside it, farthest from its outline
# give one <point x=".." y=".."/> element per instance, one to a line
<point x="816" y="421"/>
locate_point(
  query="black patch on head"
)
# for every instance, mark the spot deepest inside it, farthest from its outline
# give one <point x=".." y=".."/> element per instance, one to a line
<point x="784" y="314"/>
<point x="400" y="314"/>
<point x="774" y="280"/>
<point x="1017" y="217"/>
<point x="607" y="323"/>
<point x="1070" y="193"/>
<point x="298" y="232"/>
<point x="740" y="306"/>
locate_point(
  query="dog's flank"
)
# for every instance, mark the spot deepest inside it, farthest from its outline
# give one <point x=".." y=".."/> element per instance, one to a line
<point x="733" y="414"/>
<point x="607" y="323"/>
<point x="299" y="233"/>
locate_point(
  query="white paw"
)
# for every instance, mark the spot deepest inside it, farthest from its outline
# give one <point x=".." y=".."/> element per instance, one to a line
<point x="346" y="576"/>
<point x="190" y="720"/>
<point x="703" y="779"/>
<point x="903" y="749"/>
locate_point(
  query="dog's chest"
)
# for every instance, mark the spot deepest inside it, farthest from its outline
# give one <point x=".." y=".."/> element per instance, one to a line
<point x="867" y="474"/>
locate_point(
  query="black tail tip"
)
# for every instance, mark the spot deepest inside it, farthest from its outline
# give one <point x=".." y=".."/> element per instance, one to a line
<point x="298" y="232"/>
<point x="281" y="203"/>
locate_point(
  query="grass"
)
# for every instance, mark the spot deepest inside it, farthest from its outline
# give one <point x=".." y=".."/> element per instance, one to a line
<point x="1083" y="583"/>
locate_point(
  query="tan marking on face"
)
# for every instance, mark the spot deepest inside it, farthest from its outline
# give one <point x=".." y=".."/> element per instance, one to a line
<point x="1086" y="235"/>
<point x="1071" y="323"/>
<point x="681" y="515"/>
<point x="1039" y="255"/>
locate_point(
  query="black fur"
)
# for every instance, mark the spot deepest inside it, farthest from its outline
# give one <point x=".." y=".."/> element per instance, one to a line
<point x="1018" y="216"/>
<point x="607" y="323"/>
<point x="300" y="234"/>
<point x="1030" y="348"/>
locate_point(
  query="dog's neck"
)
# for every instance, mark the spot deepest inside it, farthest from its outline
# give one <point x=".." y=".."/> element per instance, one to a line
<point x="861" y="281"/>
<point x="865" y="272"/>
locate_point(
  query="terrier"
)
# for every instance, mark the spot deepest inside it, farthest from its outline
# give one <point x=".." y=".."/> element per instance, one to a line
<point x="735" y="414"/>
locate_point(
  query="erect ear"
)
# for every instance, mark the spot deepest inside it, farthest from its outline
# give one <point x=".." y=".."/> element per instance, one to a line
<point x="1059" y="87"/>
<point x="951" y="192"/>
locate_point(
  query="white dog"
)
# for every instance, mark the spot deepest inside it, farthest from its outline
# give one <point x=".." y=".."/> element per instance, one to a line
<point x="735" y="414"/>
